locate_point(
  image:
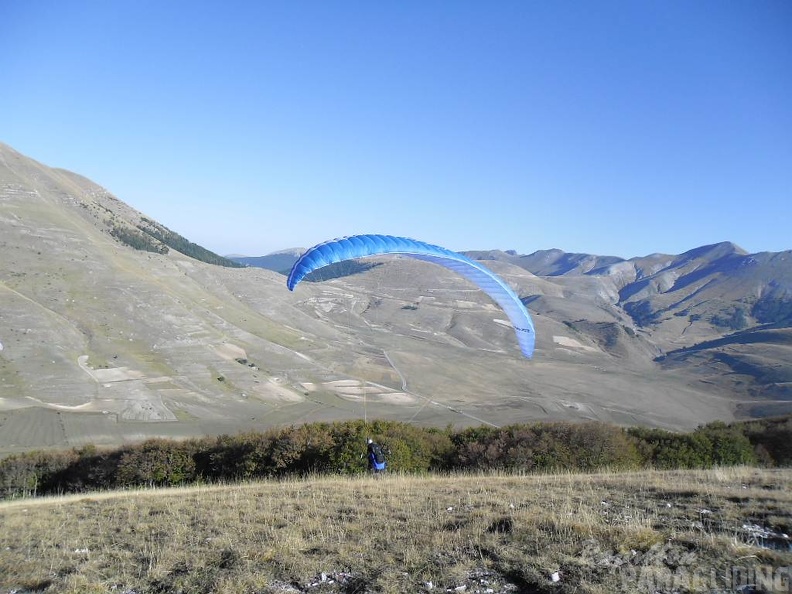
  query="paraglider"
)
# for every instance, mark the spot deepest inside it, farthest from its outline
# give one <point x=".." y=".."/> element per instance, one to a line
<point x="359" y="246"/>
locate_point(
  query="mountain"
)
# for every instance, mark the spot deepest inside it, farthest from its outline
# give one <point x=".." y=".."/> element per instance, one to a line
<point x="280" y="261"/>
<point x="109" y="333"/>
<point x="548" y="262"/>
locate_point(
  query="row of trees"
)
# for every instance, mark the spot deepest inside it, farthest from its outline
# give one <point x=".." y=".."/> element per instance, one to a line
<point x="338" y="448"/>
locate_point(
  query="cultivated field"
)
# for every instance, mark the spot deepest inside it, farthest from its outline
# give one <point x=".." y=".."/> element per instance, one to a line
<point x="715" y="530"/>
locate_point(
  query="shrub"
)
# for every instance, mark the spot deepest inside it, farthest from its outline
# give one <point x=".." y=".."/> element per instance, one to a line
<point x="729" y="444"/>
<point x="772" y="440"/>
<point x="545" y="446"/>
<point x="157" y="462"/>
<point x="664" y="449"/>
<point x="340" y="448"/>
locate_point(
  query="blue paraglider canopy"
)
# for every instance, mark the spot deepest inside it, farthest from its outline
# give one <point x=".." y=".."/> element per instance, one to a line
<point x="359" y="246"/>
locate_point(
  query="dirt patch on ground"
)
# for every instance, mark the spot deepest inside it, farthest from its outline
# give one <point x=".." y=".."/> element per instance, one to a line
<point x="398" y="398"/>
<point x="568" y="342"/>
<point x="274" y="389"/>
<point x="230" y="352"/>
<point x="355" y="390"/>
<point x="109" y="374"/>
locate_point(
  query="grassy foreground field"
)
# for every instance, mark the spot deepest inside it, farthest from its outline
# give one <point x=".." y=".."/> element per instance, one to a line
<point x="708" y="530"/>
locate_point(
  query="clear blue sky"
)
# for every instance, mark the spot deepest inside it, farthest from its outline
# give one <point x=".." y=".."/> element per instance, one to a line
<point x="615" y="128"/>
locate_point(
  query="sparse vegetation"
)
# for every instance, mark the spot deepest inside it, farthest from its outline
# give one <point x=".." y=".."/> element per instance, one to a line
<point x="773" y="311"/>
<point x="734" y="320"/>
<point x="642" y="312"/>
<point x="559" y="533"/>
<point x="605" y="333"/>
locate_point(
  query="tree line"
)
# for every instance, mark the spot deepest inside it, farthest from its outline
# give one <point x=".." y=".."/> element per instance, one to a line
<point x="150" y="236"/>
<point x="337" y="448"/>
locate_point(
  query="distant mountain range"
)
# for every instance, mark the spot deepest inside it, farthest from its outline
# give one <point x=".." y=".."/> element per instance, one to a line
<point x="114" y="328"/>
<point x="280" y="261"/>
<point x="719" y="284"/>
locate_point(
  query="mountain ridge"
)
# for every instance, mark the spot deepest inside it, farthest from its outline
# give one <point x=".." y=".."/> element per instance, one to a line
<point x="643" y="277"/>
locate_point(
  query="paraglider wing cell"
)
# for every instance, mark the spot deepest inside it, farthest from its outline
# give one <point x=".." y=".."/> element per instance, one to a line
<point x="359" y="246"/>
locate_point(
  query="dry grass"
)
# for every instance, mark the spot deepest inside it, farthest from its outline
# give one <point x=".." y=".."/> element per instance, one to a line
<point x="602" y="533"/>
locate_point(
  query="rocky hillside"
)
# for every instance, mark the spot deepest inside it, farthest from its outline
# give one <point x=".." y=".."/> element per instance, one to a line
<point x="715" y="304"/>
<point x="111" y="330"/>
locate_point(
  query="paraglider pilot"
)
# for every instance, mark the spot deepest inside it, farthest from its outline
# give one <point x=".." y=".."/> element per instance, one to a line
<point x="376" y="457"/>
